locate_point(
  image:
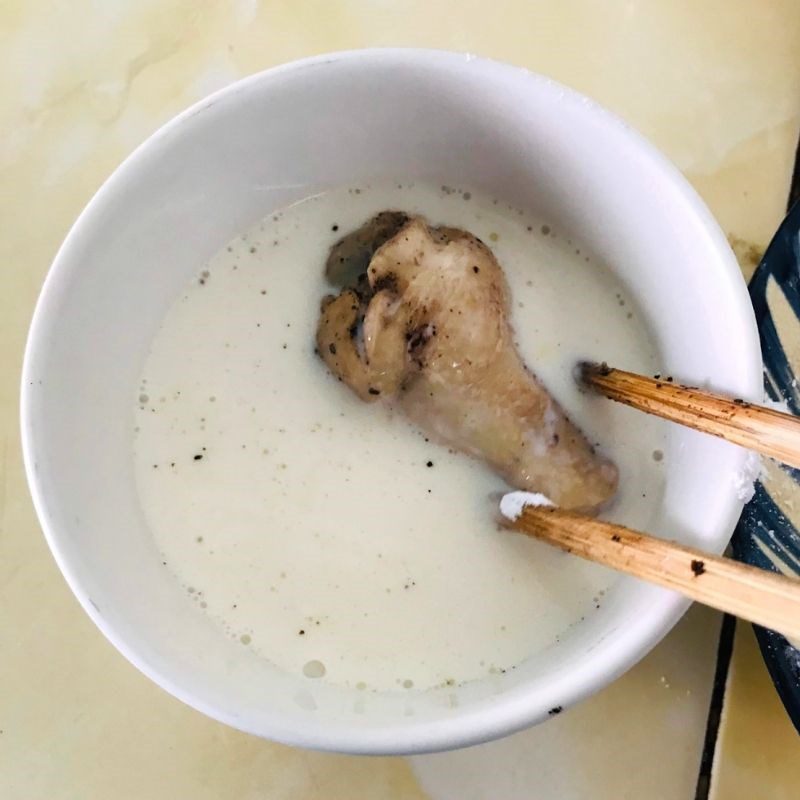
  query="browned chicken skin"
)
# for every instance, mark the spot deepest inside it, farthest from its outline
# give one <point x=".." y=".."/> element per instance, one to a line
<point x="427" y="328"/>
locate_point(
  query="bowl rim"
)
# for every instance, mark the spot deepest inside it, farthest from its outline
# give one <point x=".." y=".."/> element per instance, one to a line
<point x="509" y="713"/>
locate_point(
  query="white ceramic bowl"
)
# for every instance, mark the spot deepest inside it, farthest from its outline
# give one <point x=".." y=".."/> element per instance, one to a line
<point x="272" y="139"/>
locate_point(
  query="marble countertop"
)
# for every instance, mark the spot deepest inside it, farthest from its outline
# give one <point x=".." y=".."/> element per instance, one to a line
<point x="715" y="84"/>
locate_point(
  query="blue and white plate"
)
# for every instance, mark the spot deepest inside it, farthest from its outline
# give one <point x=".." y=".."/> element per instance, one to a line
<point x="767" y="535"/>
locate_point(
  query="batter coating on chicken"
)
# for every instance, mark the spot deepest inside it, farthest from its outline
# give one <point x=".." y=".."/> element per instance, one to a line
<point x="427" y="328"/>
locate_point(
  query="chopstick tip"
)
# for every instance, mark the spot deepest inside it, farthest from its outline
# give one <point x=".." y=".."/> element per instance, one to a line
<point x="586" y="370"/>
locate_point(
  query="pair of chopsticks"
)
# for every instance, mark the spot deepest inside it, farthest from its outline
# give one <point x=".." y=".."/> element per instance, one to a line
<point x="759" y="596"/>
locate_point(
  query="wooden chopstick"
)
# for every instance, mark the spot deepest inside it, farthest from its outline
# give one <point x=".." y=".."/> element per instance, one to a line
<point x="755" y="427"/>
<point x="753" y="594"/>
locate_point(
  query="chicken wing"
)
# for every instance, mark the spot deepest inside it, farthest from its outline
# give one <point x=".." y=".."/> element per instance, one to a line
<point x="423" y="323"/>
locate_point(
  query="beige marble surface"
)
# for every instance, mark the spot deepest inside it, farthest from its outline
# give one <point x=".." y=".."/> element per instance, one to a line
<point x="758" y="750"/>
<point x="715" y="84"/>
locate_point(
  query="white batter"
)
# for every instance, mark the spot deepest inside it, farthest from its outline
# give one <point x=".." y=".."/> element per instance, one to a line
<point x="309" y="524"/>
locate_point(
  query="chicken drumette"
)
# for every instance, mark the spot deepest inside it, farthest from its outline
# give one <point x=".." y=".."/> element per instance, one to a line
<point x="423" y="322"/>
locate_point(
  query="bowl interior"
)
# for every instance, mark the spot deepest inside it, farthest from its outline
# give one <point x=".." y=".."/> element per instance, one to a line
<point x="273" y="139"/>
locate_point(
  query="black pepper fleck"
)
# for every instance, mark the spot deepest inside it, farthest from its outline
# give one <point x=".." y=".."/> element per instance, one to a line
<point x="429" y="464"/>
<point x="555" y="710"/>
<point x="198" y="457"/>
